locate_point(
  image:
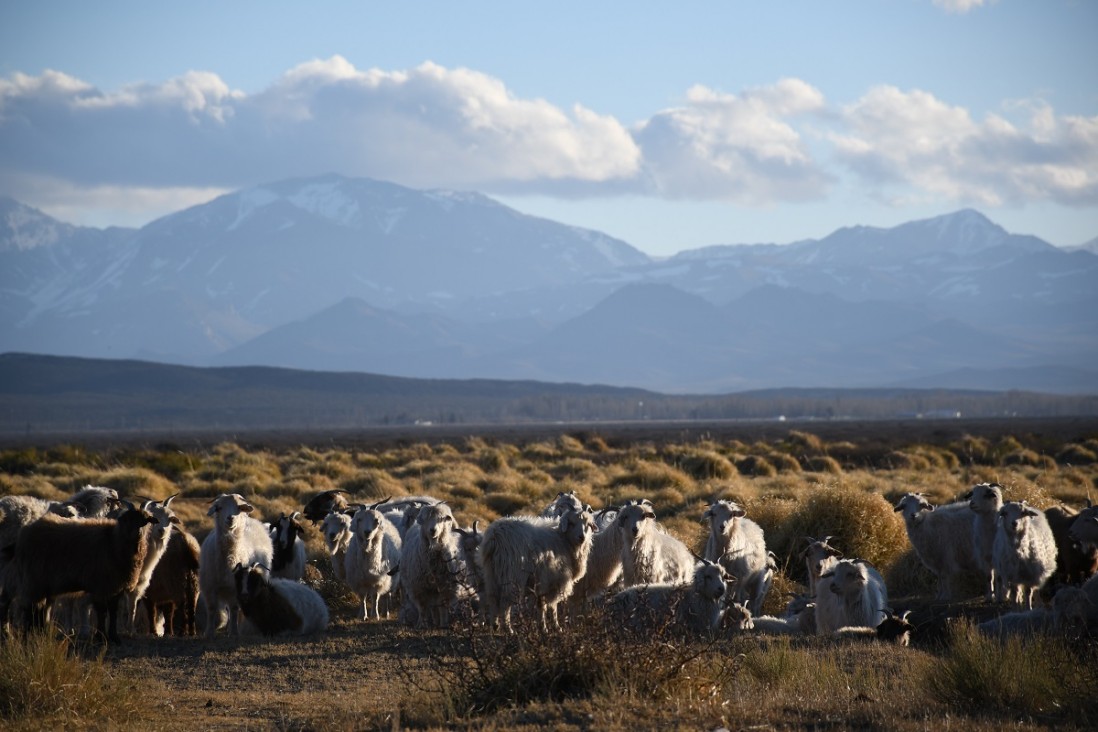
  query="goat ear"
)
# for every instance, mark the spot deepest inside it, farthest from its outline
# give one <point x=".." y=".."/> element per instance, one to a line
<point x="650" y="515"/>
<point x="966" y="497"/>
<point x="394" y="570"/>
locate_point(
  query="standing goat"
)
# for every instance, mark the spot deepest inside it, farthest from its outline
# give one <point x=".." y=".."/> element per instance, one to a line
<point x="536" y="556"/>
<point x="236" y="539"/>
<point x="372" y="553"/>
<point x="103" y="557"/>
<point x="985" y="500"/>
<point x="1024" y="553"/>
<point x="942" y="538"/>
<point x="430" y="566"/>
<point x="737" y="543"/>
<point x="648" y="555"/>
<point x="288" y="547"/>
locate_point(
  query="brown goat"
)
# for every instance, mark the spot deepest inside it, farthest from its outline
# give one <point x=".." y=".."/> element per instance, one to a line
<point x="1075" y="563"/>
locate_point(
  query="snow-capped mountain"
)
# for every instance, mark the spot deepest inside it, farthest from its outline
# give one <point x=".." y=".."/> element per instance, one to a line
<point x="333" y="273"/>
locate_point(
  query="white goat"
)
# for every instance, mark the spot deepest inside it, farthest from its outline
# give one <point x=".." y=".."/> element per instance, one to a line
<point x="738" y="544"/>
<point x="276" y="605"/>
<point x="819" y="557"/>
<point x="372" y="553"/>
<point x="603" y="561"/>
<point x="985" y="500"/>
<point x="1024" y="552"/>
<point x="158" y="535"/>
<point x="694" y="607"/>
<point x="236" y="539"/>
<point x="942" y="539"/>
<point x="648" y="555"/>
<point x="852" y="593"/>
<point x="533" y="555"/>
<point x="336" y="529"/>
<point x="563" y="502"/>
<point x="430" y="566"/>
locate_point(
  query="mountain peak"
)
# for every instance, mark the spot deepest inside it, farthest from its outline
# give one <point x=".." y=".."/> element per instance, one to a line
<point x="23" y="227"/>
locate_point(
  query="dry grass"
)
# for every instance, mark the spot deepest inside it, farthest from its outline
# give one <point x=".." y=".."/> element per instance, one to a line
<point x="381" y="675"/>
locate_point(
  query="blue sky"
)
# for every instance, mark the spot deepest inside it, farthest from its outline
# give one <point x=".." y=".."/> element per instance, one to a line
<point x="669" y="126"/>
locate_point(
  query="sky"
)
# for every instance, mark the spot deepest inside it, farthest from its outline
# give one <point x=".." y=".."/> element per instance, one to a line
<point x="669" y="125"/>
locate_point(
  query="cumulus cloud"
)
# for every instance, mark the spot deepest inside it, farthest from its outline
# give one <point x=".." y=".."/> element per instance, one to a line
<point x="912" y="142"/>
<point x="65" y="143"/>
<point x="425" y="126"/>
<point x="724" y="146"/>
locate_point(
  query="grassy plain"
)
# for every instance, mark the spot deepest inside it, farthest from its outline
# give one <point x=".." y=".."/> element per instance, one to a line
<point x="795" y="481"/>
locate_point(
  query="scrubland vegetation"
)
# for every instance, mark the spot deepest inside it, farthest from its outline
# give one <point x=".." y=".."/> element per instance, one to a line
<point x="382" y="675"/>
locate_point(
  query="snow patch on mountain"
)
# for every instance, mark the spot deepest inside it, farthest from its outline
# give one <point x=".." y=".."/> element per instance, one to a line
<point x="328" y="200"/>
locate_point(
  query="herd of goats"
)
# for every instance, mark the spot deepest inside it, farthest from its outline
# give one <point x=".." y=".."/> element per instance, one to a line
<point x="61" y="560"/>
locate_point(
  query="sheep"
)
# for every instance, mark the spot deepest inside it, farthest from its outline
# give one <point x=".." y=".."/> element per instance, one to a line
<point x="648" y="555"/>
<point x="373" y="551"/>
<point x="985" y="500"/>
<point x="852" y="593"/>
<point x="103" y="557"/>
<point x="819" y="557"/>
<point x="1075" y="562"/>
<point x="336" y="529"/>
<point x="276" y="605"/>
<point x="430" y="566"/>
<point x="288" y="546"/>
<point x="173" y="587"/>
<point x="738" y="544"/>
<point x="942" y="539"/>
<point x="1024" y="552"/>
<point x="236" y="539"/>
<point x="694" y="607"/>
<point x="534" y="555"/>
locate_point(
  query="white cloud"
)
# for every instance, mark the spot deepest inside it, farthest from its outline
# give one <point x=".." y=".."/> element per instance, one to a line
<point x="742" y="148"/>
<point x="911" y="143"/>
<point x="961" y="6"/>
<point x="64" y="143"/>
<point x="426" y="126"/>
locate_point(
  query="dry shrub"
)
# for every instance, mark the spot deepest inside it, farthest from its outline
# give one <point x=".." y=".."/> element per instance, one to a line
<point x="1045" y="677"/>
<point x="577" y="469"/>
<point x="771" y="513"/>
<point x="1020" y="457"/>
<point x="31" y="485"/>
<point x="230" y="462"/>
<point x="372" y="483"/>
<point x="570" y="445"/>
<point x="1076" y="454"/>
<point x="508" y="504"/>
<point x="44" y="684"/>
<point x="901" y="460"/>
<point x="823" y="464"/>
<point x="705" y="465"/>
<point x="863" y="525"/>
<point x="804" y="443"/>
<point x="651" y="475"/>
<point x="784" y="463"/>
<point x="545" y="451"/>
<point x="133" y="482"/>
<point x="756" y="466"/>
<point x="909" y="577"/>
<point x="492" y="460"/>
<point x="596" y="444"/>
<point x="452" y="478"/>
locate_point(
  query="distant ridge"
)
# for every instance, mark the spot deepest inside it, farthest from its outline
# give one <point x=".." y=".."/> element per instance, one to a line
<point x="52" y="394"/>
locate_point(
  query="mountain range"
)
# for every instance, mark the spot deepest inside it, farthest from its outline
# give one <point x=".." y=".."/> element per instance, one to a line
<point x="351" y="274"/>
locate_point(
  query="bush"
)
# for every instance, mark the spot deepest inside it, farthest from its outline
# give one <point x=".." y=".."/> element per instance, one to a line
<point x="756" y="466"/>
<point x="42" y="681"/>
<point x="1042" y="676"/>
<point x="1076" y="454"/>
<point x="706" y="465"/>
<point x="823" y="464"/>
<point x="863" y="525"/>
